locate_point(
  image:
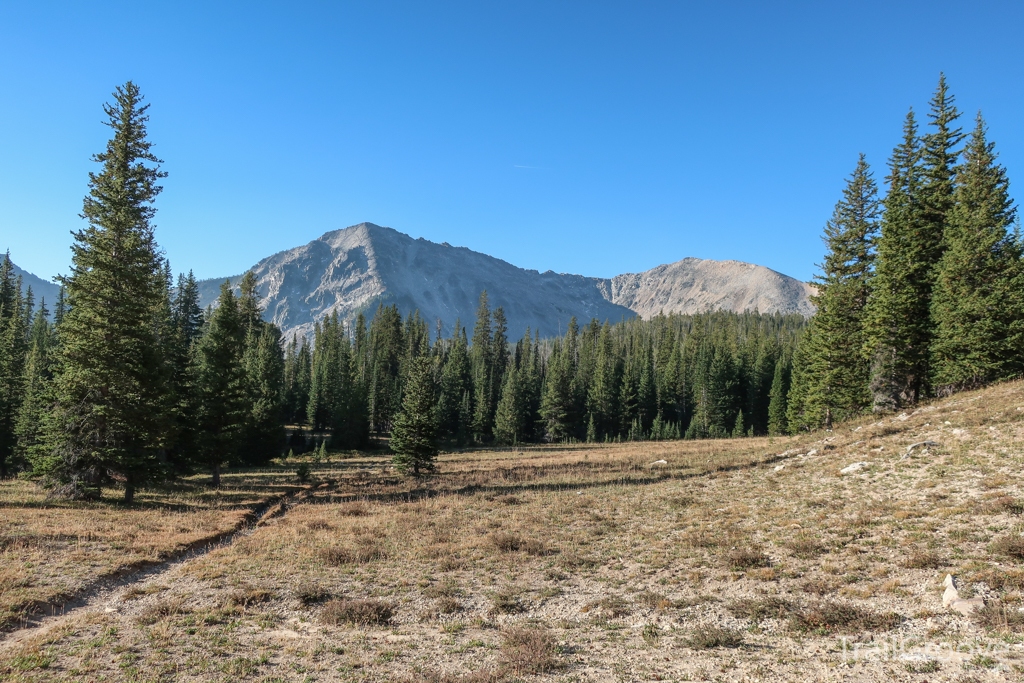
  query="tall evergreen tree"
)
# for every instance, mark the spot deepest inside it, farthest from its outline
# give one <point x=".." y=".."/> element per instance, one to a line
<point x="414" y="437"/>
<point x="220" y="386"/>
<point x="483" y="365"/>
<point x="777" y="424"/>
<point x="109" y="420"/>
<point x="897" y="324"/>
<point x="13" y="346"/>
<point x="835" y="371"/>
<point x="36" y="400"/>
<point x="978" y="301"/>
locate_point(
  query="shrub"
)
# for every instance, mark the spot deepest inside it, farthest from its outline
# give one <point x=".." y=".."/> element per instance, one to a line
<point x="506" y="601"/>
<point x="769" y="607"/>
<point x="747" y="558"/>
<point x="995" y="616"/>
<point x="804" y="547"/>
<point x="1011" y="545"/>
<point x="529" y="651"/>
<point x="710" y="637"/>
<point x="365" y="612"/>
<point x="162" y="610"/>
<point x="828" y="616"/>
<point x="311" y="593"/>
<point x="243" y="597"/>
<point x="361" y="554"/>
<point x="508" y="543"/>
<point x="924" y="559"/>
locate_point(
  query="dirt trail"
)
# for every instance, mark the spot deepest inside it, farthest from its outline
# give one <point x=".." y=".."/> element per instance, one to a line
<point x="106" y="590"/>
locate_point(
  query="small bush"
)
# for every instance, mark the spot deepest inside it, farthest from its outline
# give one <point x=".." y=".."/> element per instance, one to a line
<point x="1011" y="545"/>
<point x="509" y="543"/>
<point x="769" y="607"/>
<point x="574" y="560"/>
<point x="442" y="589"/>
<point x="804" y="547"/>
<point x="354" y="509"/>
<point x="995" y="616"/>
<point x="302" y="472"/>
<point x="653" y="600"/>
<point x="318" y="524"/>
<point x="529" y="651"/>
<point x="311" y="593"/>
<point x="506" y="601"/>
<point x="367" y="612"/>
<point x="361" y="554"/>
<point x="826" y="616"/>
<point x="243" y="597"/>
<point x="924" y="559"/>
<point x="162" y="610"/>
<point x="710" y="637"/>
<point x="747" y="558"/>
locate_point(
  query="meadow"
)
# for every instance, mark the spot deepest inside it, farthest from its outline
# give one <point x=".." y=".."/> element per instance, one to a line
<point x="740" y="559"/>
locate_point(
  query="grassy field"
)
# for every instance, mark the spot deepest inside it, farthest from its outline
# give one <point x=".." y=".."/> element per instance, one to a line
<point x="747" y="559"/>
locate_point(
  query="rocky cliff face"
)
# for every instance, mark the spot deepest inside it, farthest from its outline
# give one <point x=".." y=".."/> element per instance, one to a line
<point x="357" y="268"/>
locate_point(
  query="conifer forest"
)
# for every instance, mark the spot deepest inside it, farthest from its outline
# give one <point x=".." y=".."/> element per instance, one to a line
<point x="126" y="382"/>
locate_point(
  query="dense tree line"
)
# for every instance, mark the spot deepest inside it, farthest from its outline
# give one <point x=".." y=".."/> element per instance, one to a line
<point x="921" y="293"/>
<point x="711" y="375"/>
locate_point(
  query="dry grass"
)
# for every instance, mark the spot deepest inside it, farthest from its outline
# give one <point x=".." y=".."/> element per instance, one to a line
<point x="606" y="562"/>
<point x="50" y="550"/>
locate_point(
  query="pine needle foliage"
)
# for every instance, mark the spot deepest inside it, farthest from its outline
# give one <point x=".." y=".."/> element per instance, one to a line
<point x="833" y="376"/>
<point x="978" y="302"/>
<point x="414" y="437"/>
<point x="109" y="420"/>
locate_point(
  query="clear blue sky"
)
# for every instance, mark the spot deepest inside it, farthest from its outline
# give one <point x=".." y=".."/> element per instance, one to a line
<point x="586" y="137"/>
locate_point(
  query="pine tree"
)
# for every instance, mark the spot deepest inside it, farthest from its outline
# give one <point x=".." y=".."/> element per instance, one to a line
<point x="13" y="346"/>
<point x="414" y="435"/>
<point x="455" y="384"/>
<point x="777" y="401"/>
<point x="108" y="421"/>
<point x="482" y="364"/>
<point x="835" y="372"/>
<point x="511" y="416"/>
<point x="897" y="324"/>
<point x="37" y="375"/>
<point x="220" y="386"/>
<point x="263" y="360"/>
<point x="978" y="301"/>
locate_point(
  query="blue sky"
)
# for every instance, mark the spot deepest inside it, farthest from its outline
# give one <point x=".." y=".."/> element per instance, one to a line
<point x="586" y="137"/>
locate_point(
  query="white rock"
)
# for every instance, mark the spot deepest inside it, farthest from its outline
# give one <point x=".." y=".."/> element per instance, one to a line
<point x="855" y="467"/>
<point x="813" y="451"/>
<point x="951" y="594"/>
<point x="779" y="467"/>
<point x="659" y="462"/>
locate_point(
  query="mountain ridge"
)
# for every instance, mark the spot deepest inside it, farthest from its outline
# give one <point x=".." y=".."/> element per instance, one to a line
<point x="355" y="268"/>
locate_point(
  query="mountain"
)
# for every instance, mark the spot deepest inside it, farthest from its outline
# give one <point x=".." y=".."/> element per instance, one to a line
<point x="357" y="268"/>
<point x="41" y="289"/>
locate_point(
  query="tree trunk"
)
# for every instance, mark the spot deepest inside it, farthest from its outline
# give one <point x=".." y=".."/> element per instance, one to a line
<point x="216" y="476"/>
<point x="129" y="493"/>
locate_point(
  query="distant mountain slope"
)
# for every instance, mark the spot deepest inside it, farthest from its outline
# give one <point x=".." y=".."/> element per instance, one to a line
<point x="41" y="289"/>
<point x="354" y="269"/>
<point x="694" y="285"/>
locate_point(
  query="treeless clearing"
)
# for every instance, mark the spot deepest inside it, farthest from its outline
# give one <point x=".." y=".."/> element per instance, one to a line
<point x="732" y="561"/>
<point x="51" y="550"/>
